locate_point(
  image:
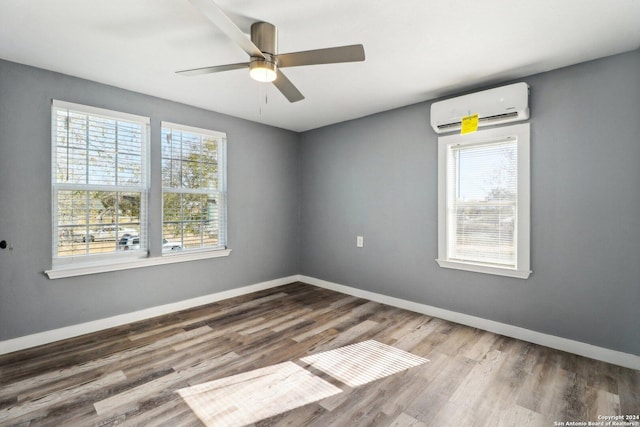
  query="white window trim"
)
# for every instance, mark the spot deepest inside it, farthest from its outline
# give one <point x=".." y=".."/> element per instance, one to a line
<point x="522" y="132"/>
<point x="103" y="112"/>
<point x="193" y="129"/>
<point x="103" y="267"/>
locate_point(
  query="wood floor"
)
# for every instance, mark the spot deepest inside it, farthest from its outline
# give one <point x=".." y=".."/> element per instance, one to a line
<point x="137" y="374"/>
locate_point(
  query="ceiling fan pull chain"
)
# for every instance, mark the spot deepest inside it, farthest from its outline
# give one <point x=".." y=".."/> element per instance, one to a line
<point x="260" y="99"/>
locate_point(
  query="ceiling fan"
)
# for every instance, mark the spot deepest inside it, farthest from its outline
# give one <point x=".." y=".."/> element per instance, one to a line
<point x="262" y="48"/>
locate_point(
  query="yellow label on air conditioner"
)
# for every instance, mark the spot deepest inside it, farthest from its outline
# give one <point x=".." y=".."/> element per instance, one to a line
<point x="469" y="124"/>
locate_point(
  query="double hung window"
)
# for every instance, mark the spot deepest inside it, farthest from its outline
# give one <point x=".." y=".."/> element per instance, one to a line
<point x="483" y="198"/>
<point x="100" y="182"/>
<point x="193" y="188"/>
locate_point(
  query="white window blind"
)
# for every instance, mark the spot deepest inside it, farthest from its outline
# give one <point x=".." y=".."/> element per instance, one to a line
<point x="484" y="202"/>
<point x="99" y="181"/>
<point x="193" y="188"/>
<point x="482" y="211"/>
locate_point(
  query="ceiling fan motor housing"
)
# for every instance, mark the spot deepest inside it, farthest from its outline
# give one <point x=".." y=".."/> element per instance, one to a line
<point x="265" y="36"/>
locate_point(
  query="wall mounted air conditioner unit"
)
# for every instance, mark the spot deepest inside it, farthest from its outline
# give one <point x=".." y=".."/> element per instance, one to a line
<point x="494" y="106"/>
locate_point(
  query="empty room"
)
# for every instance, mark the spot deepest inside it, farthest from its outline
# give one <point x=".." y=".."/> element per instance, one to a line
<point x="335" y="213"/>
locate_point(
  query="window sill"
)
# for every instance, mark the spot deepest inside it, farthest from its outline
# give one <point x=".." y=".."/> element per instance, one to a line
<point x="477" y="268"/>
<point x="104" y="267"/>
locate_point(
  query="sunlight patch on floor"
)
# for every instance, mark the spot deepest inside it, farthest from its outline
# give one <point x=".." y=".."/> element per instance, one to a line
<point x="361" y="363"/>
<point x="252" y="396"/>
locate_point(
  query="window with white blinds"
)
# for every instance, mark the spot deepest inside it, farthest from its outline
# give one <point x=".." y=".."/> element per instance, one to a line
<point x="99" y="182"/>
<point x="193" y="188"/>
<point x="484" y="201"/>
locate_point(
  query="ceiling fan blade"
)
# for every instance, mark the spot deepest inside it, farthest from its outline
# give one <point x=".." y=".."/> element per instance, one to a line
<point x="211" y="10"/>
<point x="287" y="88"/>
<point x="214" y="69"/>
<point x="331" y="55"/>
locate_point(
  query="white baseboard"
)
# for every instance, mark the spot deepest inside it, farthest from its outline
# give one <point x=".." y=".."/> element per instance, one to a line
<point x="564" y="344"/>
<point x="53" y="335"/>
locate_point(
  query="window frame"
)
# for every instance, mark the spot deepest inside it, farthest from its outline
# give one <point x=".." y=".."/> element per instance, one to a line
<point x="142" y="188"/>
<point x="221" y="191"/>
<point x="521" y="133"/>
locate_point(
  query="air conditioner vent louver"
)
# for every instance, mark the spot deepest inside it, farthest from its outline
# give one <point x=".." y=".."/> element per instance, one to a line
<point x="488" y="120"/>
<point x="494" y="106"/>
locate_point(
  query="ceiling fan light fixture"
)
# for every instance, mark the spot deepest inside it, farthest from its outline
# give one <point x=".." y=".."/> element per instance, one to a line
<point x="262" y="70"/>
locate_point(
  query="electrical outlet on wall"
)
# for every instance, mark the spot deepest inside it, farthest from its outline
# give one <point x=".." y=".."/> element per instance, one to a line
<point x="359" y="241"/>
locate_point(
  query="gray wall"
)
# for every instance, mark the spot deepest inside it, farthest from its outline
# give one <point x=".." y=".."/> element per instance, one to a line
<point x="377" y="177"/>
<point x="262" y="208"/>
<point x="297" y="202"/>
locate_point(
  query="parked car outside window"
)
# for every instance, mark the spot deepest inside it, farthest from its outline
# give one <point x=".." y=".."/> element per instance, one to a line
<point x="109" y="232"/>
<point x="168" y="246"/>
<point x="129" y="243"/>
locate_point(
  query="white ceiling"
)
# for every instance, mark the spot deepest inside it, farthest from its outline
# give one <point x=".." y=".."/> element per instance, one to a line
<point x="416" y="50"/>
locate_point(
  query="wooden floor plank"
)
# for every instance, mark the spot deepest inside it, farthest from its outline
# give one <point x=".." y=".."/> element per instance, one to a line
<point x="34" y="408"/>
<point x="42" y="381"/>
<point x="130" y="375"/>
<point x="162" y="384"/>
